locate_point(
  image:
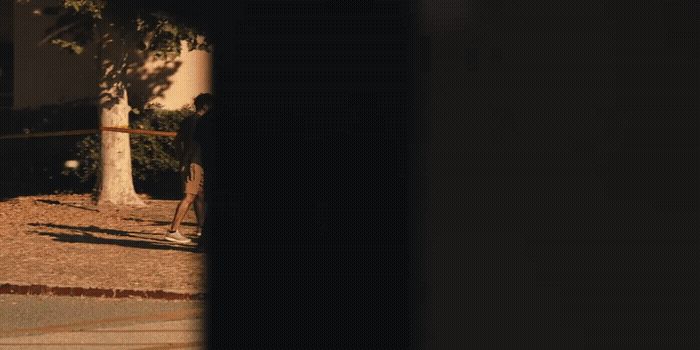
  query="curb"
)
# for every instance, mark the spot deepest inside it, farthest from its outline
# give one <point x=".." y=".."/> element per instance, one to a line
<point x="37" y="289"/>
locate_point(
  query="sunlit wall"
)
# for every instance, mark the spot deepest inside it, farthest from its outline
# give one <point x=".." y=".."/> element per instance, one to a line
<point x="48" y="75"/>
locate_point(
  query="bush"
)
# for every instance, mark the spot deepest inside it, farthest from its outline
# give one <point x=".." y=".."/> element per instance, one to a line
<point x="154" y="166"/>
<point x="33" y="166"/>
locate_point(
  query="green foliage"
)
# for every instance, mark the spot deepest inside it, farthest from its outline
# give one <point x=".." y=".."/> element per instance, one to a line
<point x="153" y="157"/>
<point x="33" y="166"/>
<point x="88" y="152"/>
<point x="163" y="37"/>
<point x="133" y="23"/>
<point x="70" y="45"/>
<point x="92" y="7"/>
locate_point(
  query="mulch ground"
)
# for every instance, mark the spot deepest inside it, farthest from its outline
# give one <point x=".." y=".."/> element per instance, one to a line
<point x="65" y="241"/>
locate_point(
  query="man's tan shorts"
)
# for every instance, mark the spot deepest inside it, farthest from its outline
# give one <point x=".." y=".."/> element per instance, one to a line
<point x="194" y="179"/>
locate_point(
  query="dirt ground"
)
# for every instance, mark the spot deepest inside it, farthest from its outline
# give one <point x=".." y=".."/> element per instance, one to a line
<point x="64" y="240"/>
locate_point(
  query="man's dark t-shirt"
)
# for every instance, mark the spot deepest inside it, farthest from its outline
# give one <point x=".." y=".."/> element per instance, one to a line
<point x="189" y="150"/>
<point x="202" y="135"/>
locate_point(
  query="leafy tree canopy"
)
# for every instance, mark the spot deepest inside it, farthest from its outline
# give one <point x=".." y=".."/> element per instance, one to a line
<point x="154" y="26"/>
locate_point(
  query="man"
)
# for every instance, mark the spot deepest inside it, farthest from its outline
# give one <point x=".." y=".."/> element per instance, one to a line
<point x="204" y="136"/>
<point x="192" y="171"/>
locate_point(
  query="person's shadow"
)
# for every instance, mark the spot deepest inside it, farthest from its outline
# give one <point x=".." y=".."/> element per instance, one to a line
<point x="84" y="234"/>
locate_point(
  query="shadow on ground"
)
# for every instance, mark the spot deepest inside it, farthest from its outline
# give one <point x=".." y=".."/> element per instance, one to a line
<point x="93" y="229"/>
<point x="87" y="237"/>
<point x="52" y="202"/>
<point x="157" y="222"/>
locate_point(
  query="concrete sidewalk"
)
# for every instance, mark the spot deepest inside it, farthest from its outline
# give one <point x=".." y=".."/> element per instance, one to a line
<point x="147" y="336"/>
<point x="40" y="322"/>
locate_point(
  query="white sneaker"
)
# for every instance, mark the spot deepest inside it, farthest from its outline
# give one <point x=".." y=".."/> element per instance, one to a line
<point x="176" y="237"/>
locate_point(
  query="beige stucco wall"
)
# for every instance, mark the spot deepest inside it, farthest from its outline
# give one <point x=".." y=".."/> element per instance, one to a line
<point x="191" y="78"/>
<point x="47" y="75"/>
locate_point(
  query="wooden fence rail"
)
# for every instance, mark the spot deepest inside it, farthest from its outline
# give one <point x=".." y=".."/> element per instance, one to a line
<point x="89" y="132"/>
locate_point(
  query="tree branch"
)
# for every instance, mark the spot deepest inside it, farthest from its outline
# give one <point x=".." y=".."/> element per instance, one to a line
<point x="57" y="32"/>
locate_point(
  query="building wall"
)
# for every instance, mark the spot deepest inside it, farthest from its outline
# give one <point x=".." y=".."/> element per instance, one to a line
<point x="6" y="54"/>
<point x="192" y="77"/>
<point x="47" y="75"/>
<point x="5" y="20"/>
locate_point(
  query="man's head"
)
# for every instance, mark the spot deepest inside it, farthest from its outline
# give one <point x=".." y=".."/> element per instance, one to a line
<point x="203" y="102"/>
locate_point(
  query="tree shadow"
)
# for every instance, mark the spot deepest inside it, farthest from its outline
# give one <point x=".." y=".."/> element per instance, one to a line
<point x="87" y="238"/>
<point x="147" y="79"/>
<point x="51" y="202"/>
<point x="93" y="229"/>
<point x="144" y="76"/>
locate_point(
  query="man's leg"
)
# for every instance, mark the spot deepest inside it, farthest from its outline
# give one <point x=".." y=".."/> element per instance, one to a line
<point x="203" y="222"/>
<point x="181" y="211"/>
<point x="200" y="211"/>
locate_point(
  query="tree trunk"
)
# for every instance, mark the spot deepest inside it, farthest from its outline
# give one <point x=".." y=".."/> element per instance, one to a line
<point x="116" y="184"/>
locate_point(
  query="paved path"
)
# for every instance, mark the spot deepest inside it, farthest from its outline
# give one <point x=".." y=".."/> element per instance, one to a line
<point x="45" y="322"/>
